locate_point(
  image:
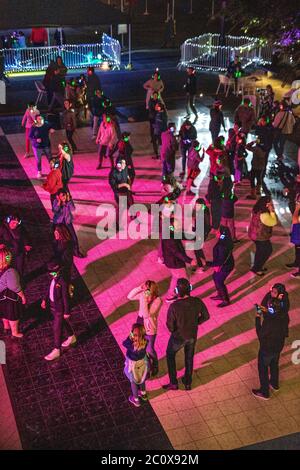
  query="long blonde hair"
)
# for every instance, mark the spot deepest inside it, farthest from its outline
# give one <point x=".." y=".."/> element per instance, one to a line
<point x="5" y="258"/>
<point x="153" y="288"/>
<point x="142" y="342"/>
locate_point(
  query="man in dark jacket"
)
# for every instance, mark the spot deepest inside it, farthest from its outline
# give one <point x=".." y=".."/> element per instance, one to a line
<point x="125" y="151"/>
<point x="69" y="123"/>
<point x="183" y="318"/>
<point x="59" y="306"/>
<point x="190" y="88"/>
<point x="93" y="84"/>
<point x="57" y="86"/>
<point x="271" y="324"/>
<point x="175" y="257"/>
<point x="119" y="181"/>
<point x="98" y="109"/>
<point x="245" y="116"/>
<point x="187" y="134"/>
<point x="39" y="136"/>
<point x="216" y="120"/>
<point x="159" y="125"/>
<point x="168" y="149"/>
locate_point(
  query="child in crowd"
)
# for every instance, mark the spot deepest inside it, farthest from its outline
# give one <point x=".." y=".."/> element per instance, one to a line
<point x="136" y="364"/>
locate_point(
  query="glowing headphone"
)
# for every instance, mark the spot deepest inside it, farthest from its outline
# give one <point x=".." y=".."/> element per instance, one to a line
<point x="158" y="96"/>
<point x="177" y="292"/>
<point x="9" y="218"/>
<point x="222" y="236"/>
<point x="156" y="73"/>
<point x="108" y="119"/>
<point x="231" y="196"/>
<point x="125" y="138"/>
<point x="106" y="103"/>
<point x="216" y="178"/>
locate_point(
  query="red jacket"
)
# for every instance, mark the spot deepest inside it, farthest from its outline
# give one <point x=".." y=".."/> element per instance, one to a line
<point x="39" y="35"/>
<point x="53" y="182"/>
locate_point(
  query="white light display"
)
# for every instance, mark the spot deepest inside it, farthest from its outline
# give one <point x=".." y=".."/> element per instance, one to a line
<point x="74" y="56"/>
<point x="204" y="53"/>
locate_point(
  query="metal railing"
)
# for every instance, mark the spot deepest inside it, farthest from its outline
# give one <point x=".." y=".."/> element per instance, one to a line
<point x="205" y="52"/>
<point x="74" y="56"/>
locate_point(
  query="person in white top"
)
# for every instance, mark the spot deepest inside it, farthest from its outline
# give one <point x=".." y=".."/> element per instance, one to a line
<point x="107" y="139"/>
<point x="149" y="307"/>
<point x="154" y="84"/>
<point x="28" y="120"/>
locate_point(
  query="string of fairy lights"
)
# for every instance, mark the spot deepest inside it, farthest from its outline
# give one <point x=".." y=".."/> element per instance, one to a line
<point x="74" y="55"/>
<point x="204" y="53"/>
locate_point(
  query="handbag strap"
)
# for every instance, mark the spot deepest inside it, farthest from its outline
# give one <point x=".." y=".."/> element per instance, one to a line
<point x="284" y="117"/>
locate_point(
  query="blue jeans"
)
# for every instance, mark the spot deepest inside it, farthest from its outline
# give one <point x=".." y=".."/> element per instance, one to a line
<point x="174" y="345"/>
<point x="38" y="152"/>
<point x="268" y="361"/>
<point x="136" y="388"/>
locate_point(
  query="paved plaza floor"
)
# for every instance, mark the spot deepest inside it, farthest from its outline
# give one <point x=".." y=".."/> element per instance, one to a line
<point x="220" y="411"/>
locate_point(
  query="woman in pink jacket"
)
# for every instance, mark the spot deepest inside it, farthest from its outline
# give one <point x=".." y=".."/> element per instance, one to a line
<point x="28" y="120"/>
<point x="106" y="139"/>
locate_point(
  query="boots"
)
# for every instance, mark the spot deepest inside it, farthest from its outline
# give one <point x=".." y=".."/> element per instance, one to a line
<point x="14" y="326"/>
<point x="252" y="194"/>
<point x="6" y="326"/>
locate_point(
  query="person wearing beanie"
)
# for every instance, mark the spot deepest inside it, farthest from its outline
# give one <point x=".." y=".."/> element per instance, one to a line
<point x="183" y="318"/>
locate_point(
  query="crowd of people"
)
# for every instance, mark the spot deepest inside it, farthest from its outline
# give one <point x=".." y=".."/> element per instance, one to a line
<point x="227" y="171"/>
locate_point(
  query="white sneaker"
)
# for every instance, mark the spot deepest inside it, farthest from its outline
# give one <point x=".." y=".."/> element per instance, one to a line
<point x="69" y="341"/>
<point x="55" y="354"/>
<point x="39" y="175"/>
<point x="160" y="260"/>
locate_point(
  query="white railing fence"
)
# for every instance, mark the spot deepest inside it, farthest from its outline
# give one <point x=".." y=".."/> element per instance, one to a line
<point x="205" y="52"/>
<point x="74" y="56"/>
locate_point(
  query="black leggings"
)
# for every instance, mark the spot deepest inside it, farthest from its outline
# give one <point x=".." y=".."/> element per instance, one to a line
<point x="263" y="252"/>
